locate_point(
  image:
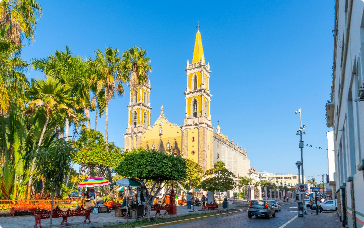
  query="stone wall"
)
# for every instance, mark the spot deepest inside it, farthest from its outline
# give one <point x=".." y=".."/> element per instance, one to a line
<point x="235" y="158"/>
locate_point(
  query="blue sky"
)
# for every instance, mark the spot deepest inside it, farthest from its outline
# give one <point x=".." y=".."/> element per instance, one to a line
<point x="268" y="58"/>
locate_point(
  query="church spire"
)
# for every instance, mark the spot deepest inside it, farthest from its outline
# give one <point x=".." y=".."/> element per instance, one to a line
<point x="198" y="50"/>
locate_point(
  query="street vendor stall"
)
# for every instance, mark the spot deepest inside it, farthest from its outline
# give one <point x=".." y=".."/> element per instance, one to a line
<point x="134" y="203"/>
<point x="92" y="182"/>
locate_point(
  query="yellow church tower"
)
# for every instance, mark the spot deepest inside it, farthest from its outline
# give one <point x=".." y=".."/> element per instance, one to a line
<point x="197" y="131"/>
<point x="139" y="116"/>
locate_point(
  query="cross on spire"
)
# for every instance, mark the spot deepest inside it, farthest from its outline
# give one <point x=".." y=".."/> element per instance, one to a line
<point x="218" y="122"/>
<point x="198" y="26"/>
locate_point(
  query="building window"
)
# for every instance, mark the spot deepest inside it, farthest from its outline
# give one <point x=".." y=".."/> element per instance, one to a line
<point x="194" y="108"/>
<point x="195" y="82"/>
<point x="145" y="98"/>
<point x="168" y="146"/>
<point x="193" y="152"/>
<point x="218" y="156"/>
<point x="136" y="97"/>
<point x="135" y="118"/>
<point x="205" y="108"/>
<point x="193" y="139"/>
<point x="145" y="119"/>
<point x="153" y="146"/>
<point x="160" y="131"/>
<point x="294" y="177"/>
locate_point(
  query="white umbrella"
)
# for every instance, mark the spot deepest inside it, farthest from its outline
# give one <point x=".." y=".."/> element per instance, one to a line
<point x="128" y="182"/>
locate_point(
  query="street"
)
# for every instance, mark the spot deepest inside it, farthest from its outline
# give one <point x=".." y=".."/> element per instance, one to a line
<point x="288" y="212"/>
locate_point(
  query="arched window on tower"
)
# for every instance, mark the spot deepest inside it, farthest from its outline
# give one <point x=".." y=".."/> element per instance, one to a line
<point x="195" y="82"/>
<point x="145" y="119"/>
<point x="205" y="108"/>
<point x="145" y="98"/>
<point x="168" y="146"/>
<point x="136" y="97"/>
<point x="135" y="118"/>
<point x="194" y="108"/>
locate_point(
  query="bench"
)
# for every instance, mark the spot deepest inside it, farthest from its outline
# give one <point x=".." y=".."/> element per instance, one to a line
<point x="158" y="208"/>
<point x="58" y="213"/>
<point x="210" y="206"/>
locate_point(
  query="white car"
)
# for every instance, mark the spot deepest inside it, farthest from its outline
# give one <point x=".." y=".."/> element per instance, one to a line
<point x="329" y="205"/>
<point x="307" y="202"/>
<point x="276" y="205"/>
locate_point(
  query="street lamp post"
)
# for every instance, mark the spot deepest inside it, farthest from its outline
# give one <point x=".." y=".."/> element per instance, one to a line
<point x="298" y="164"/>
<point x="300" y="132"/>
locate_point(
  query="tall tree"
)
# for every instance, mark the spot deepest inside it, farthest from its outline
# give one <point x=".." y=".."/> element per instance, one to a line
<point x="111" y="79"/>
<point x="53" y="164"/>
<point x="21" y="16"/>
<point x="52" y="97"/>
<point x="136" y="67"/>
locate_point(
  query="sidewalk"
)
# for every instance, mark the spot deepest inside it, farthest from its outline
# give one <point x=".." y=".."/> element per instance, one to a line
<point x="311" y="220"/>
<point x="97" y="220"/>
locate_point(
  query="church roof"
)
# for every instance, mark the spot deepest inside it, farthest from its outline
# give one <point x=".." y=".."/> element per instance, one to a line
<point x="198" y="50"/>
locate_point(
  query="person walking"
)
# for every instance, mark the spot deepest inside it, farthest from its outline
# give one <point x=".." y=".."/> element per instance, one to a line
<point x="188" y="200"/>
<point x="203" y="200"/>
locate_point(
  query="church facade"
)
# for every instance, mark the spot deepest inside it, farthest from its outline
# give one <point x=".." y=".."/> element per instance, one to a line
<point x="196" y="138"/>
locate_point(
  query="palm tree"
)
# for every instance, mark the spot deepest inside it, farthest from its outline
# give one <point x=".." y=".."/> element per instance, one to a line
<point x="110" y="79"/>
<point x="52" y="97"/>
<point x="136" y="66"/>
<point x="71" y="70"/>
<point x="21" y="16"/>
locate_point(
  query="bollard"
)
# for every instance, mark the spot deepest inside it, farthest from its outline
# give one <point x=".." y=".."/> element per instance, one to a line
<point x="300" y="209"/>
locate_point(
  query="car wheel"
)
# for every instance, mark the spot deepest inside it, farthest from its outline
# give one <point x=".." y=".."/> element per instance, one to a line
<point x="249" y="216"/>
<point x="268" y="216"/>
<point x="274" y="215"/>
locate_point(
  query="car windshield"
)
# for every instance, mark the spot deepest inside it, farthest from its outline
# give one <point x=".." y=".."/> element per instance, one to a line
<point x="273" y="202"/>
<point x="257" y="203"/>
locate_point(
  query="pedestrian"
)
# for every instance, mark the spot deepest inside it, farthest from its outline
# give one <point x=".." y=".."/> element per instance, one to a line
<point x="189" y="200"/>
<point x="319" y="206"/>
<point x="203" y="201"/>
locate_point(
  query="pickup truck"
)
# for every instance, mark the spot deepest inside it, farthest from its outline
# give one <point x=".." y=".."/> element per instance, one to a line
<point x="329" y="205"/>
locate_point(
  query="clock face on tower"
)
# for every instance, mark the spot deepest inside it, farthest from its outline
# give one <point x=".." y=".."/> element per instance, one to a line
<point x="160" y="123"/>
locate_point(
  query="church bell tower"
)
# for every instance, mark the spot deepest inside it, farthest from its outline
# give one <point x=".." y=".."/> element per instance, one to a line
<point x="139" y="116"/>
<point x="197" y="131"/>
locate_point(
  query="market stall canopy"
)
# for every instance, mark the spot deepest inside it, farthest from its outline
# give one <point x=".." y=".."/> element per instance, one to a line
<point x="121" y="189"/>
<point x="128" y="182"/>
<point x="93" y="182"/>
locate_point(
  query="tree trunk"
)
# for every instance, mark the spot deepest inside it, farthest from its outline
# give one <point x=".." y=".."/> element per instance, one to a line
<point x="51" y="209"/>
<point x="35" y="156"/>
<point x="87" y="114"/>
<point x="97" y="110"/>
<point x="67" y="129"/>
<point x="149" y="205"/>
<point x="107" y="126"/>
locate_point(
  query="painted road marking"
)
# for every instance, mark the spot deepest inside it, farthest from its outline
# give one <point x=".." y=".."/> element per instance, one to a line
<point x="289" y="222"/>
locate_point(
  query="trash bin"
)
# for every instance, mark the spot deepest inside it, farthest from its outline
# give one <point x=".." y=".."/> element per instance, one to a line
<point x="225" y="203"/>
<point x="300" y="209"/>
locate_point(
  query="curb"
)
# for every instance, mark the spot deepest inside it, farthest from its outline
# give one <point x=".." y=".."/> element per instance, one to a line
<point x="220" y="213"/>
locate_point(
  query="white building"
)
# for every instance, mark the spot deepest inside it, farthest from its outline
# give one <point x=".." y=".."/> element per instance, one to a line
<point x="330" y="182"/>
<point x="345" y="111"/>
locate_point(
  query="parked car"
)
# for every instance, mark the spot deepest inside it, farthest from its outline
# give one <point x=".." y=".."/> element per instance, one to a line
<point x="329" y="205"/>
<point x="276" y="205"/>
<point x="261" y="208"/>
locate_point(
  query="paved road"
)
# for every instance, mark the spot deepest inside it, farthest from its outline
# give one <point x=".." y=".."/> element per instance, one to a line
<point x="241" y="220"/>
